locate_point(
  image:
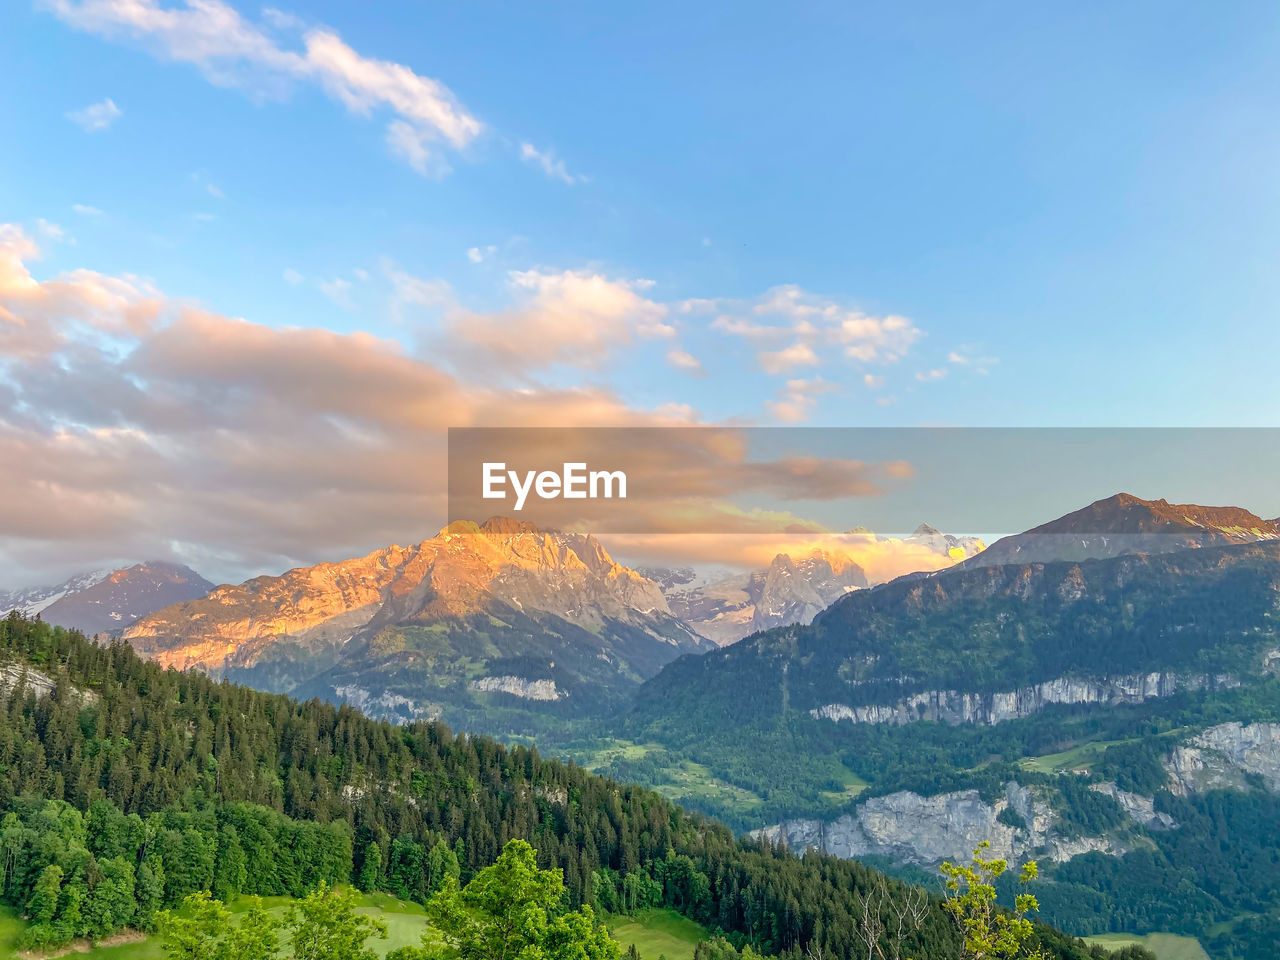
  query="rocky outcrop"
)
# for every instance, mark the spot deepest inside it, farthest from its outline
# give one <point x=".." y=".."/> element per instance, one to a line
<point x="41" y="684"/>
<point x="13" y="674"/>
<point x="1137" y="807"/>
<point x="910" y="828"/>
<point x="956" y="707"/>
<point x="1223" y="757"/>
<point x="518" y="687"/>
<point x="385" y="706"/>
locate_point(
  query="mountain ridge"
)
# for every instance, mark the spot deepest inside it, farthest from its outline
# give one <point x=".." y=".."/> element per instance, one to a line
<point x="1124" y="523"/>
<point x="499" y="613"/>
<point x="109" y="599"/>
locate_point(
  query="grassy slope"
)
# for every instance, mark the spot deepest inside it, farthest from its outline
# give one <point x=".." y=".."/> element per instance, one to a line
<point x="1166" y="946"/>
<point x="405" y="925"/>
<point x="655" y="933"/>
<point x="687" y="780"/>
<point x="658" y="933"/>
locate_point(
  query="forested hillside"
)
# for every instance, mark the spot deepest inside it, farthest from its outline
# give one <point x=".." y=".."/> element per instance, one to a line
<point x="1066" y="690"/>
<point x="133" y="785"/>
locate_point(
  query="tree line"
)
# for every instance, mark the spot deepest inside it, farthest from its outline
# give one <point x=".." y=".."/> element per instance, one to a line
<point x="191" y="751"/>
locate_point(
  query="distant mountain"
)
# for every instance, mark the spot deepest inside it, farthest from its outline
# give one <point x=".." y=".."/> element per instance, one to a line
<point x="31" y="601"/>
<point x="944" y="544"/>
<point x="987" y="644"/>
<point x="792" y="589"/>
<point x="106" y="600"/>
<point x="472" y="625"/>
<point x="983" y="642"/>
<point x="1125" y="524"/>
<point x="789" y="590"/>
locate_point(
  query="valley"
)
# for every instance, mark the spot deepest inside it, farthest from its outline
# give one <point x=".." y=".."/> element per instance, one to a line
<point x="1104" y="714"/>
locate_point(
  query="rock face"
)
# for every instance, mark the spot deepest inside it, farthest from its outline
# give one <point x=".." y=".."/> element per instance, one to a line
<point x="518" y="687"/>
<point x="1222" y="758"/>
<point x="1137" y="807"/>
<point x="314" y="607"/>
<point x="955" y="707"/>
<point x="107" y="600"/>
<point x="500" y="613"/>
<point x="455" y="574"/>
<point x="910" y="828"/>
<point x="1125" y="524"/>
<point x="37" y="682"/>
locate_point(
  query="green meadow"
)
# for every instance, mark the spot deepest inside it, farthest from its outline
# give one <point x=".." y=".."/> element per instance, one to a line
<point x="1166" y="946"/>
<point x="405" y="925"/>
<point x="658" y="933"/>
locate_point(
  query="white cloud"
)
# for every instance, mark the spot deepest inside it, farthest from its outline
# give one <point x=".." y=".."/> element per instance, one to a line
<point x="551" y="165"/>
<point x="361" y="274"/>
<point x="260" y="447"/>
<point x="925" y="376"/>
<point x="96" y="117"/>
<point x="797" y="399"/>
<point x="292" y="277"/>
<point x="480" y="254"/>
<point x="409" y="144"/>
<point x="205" y="217"/>
<point x="51" y="230"/>
<point x="873" y="381"/>
<point x="282" y="20"/>
<point x="86" y="211"/>
<point x="338" y="291"/>
<point x="972" y="358"/>
<point x="567" y="317"/>
<point x="214" y="192"/>
<point x="812" y="322"/>
<point x="683" y="360"/>
<point x="788" y="358"/>
<point x="232" y="51"/>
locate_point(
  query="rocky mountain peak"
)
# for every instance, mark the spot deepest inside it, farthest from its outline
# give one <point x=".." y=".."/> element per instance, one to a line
<point x="107" y="600"/>
<point x="462" y="571"/>
<point x="1124" y="524"/>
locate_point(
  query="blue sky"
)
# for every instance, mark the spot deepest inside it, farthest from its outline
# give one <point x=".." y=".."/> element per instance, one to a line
<point x="1073" y="207"/>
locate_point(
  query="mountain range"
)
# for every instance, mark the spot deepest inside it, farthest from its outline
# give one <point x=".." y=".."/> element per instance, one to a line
<point x="473" y="623"/>
<point x="1108" y="703"/>
<point x="792" y="589"/>
<point x="1101" y="692"/>
<point x="107" y="600"/>
<point x="1127" y="524"/>
<point x="488" y="626"/>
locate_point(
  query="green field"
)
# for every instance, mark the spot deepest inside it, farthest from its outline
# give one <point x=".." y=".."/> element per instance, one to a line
<point x="655" y="933"/>
<point x="683" y="780"/>
<point x="658" y="933"/>
<point x="853" y="785"/>
<point x="1083" y="755"/>
<point x="1166" y="946"/>
<point x="1080" y="757"/>
<point x="405" y="925"/>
